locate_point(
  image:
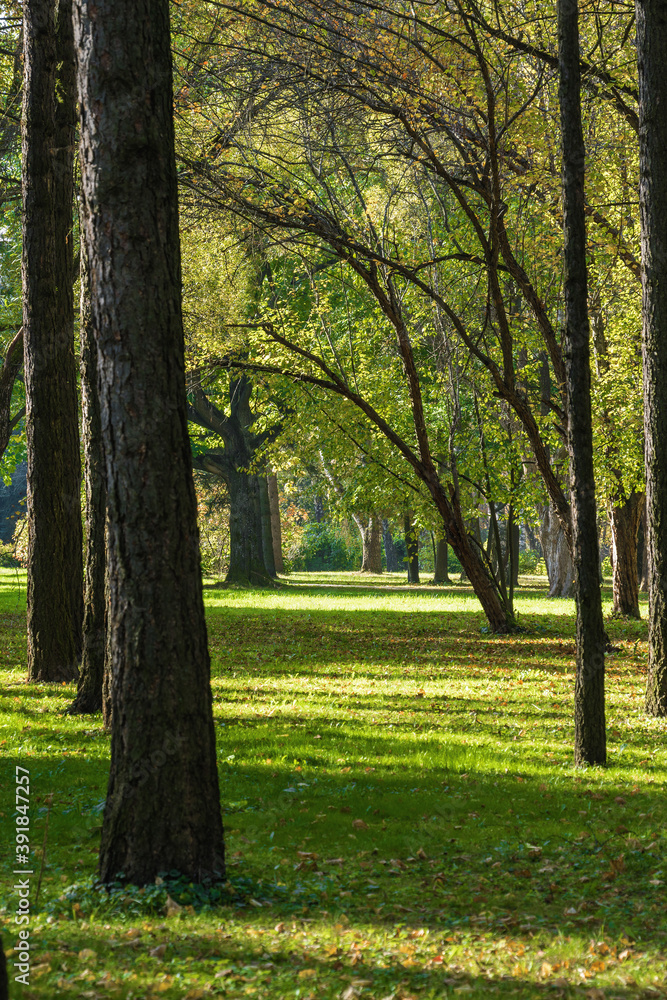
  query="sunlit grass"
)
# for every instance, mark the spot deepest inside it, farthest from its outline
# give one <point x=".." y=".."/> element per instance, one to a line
<point x="404" y="782"/>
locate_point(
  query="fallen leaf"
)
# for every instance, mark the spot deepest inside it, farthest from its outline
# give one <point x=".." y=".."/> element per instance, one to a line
<point x="359" y="824"/>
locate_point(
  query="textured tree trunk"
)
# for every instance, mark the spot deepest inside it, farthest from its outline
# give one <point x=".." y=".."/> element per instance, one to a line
<point x="642" y="554"/>
<point x="624" y="521"/>
<point x="9" y="372"/>
<point x="267" y="532"/>
<point x="391" y="557"/>
<point x="246" y="548"/>
<point x="412" y="548"/>
<point x="91" y="676"/>
<point x="55" y="570"/>
<point x="441" y="574"/>
<point x="589" y="707"/>
<point x="556" y="554"/>
<point x="162" y="810"/>
<point x="370" y="530"/>
<point x="276" y="530"/>
<point x="651" y="48"/>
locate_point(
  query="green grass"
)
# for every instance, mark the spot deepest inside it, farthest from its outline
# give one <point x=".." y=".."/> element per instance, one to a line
<point x="402" y="816"/>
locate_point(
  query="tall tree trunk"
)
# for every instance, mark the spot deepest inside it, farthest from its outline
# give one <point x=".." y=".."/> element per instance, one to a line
<point x="391" y="557"/>
<point x="266" y="523"/>
<point x="411" y="548"/>
<point x="556" y="554"/>
<point x="163" y="808"/>
<point x="55" y="572"/>
<point x="9" y="371"/>
<point x="589" y="707"/>
<point x="276" y="530"/>
<point x="246" y="548"/>
<point x="651" y="48"/>
<point x="642" y="553"/>
<point x="441" y="573"/>
<point x="624" y="521"/>
<point x="371" y="542"/>
<point x="91" y="676"/>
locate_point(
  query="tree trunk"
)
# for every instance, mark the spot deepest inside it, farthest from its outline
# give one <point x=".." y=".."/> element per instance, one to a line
<point x="246" y="548"/>
<point x="642" y="551"/>
<point x="624" y="521"/>
<point x="9" y="372"/>
<point x="391" y="558"/>
<point x="163" y="808"/>
<point x="411" y="548"/>
<point x="556" y="554"/>
<point x="276" y="530"/>
<point x="89" y="690"/>
<point x="441" y="574"/>
<point x="267" y="534"/>
<point x="55" y="571"/>
<point x="371" y="543"/>
<point x="651" y="47"/>
<point x="474" y="531"/>
<point x="589" y="707"/>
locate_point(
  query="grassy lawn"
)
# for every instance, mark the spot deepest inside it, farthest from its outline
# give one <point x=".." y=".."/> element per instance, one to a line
<point x="402" y="816"/>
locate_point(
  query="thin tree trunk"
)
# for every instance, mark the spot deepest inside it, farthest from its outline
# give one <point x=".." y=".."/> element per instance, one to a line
<point x="556" y="554"/>
<point x="391" y="558"/>
<point x="55" y="570"/>
<point x="651" y="48"/>
<point x="91" y="676"/>
<point x="441" y="573"/>
<point x="265" y="515"/>
<point x="642" y="555"/>
<point x="163" y="805"/>
<point x="411" y="548"/>
<point x="276" y="530"/>
<point x="9" y="372"/>
<point x="624" y="520"/>
<point x="589" y="707"/>
<point x="371" y="543"/>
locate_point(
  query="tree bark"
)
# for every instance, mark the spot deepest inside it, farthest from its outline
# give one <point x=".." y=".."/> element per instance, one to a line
<point x="391" y="558"/>
<point x="162" y="810"/>
<point x="412" y="548"/>
<point x="441" y="574"/>
<point x="266" y="525"/>
<point x="651" y="47"/>
<point x="556" y="554"/>
<point x="246" y="545"/>
<point x="642" y="554"/>
<point x="370" y="529"/>
<point x="91" y="676"/>
<point x="624" y="520"/>
<point x="589" y="706"/>
<point x="55" y="571"/>
<point x="276" y="530"/>
<point x="9" y="372"/>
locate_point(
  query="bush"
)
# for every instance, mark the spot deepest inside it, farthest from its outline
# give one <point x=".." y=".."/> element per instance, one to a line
<point x="8" y="558"/>
<point x="323" y="547"/>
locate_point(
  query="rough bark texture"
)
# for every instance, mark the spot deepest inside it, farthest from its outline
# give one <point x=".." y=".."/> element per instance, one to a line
<point x="55" y="572"/>
<point x="248" y="545"/>
<point x="162" y="810"/>
<point x="642" y="554"/>
<point x="267" y="524"/>
<point x="624" y="520"/>
<point x="370" y="529"/>
<point x="390" y="554"/>
<point x="589" y="708"/>
<point x="276" y="529"/>
<point x="412" y="548"/>
<point x="441" y="574"/>
<point x="556" y="554"/>
<point x="9" y="371"/>
<point x="91" y="675"/>
<point x="651" y="48"/>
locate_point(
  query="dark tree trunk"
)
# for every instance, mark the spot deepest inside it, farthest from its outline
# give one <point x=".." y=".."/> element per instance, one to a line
<point x="370" y="529"/>
<point x="162" y="810"/>
<point x="266" y="525"/>
<point x="651" y="48"/>
<point x="91" y="676"/>
<point x="556" y="554"/>
<point x="589" y="707"/>
<point x="246" y="547"/>
<point x="624" y="521"/>
<point x="55" y="570"/>
<point x="276" y="530"/>
<point x="411" y="548"/>
<point x="9" y="372"/>
<point x="391" y="557"/>
<point x="441" y="573"/>
<point x="642" y="551"/>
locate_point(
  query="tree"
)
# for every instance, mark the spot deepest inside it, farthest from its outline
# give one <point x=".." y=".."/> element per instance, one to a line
<point x="589" y="714"/>
<point x="55" y="574"/>
<point x="162" y="810"/>
<point x="651" y="42"/>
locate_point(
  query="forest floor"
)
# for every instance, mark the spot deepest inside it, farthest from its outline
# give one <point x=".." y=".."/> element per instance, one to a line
<point x="402" y="815"/>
